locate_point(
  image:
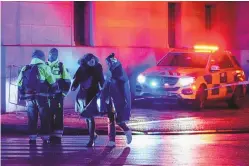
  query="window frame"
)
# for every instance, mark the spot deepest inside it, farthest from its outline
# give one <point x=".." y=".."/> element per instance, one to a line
<point x="208" y="16"/>
<point x="82" y="23"/>
<point x="222" y="59"/>
<point x="172" y="24"/>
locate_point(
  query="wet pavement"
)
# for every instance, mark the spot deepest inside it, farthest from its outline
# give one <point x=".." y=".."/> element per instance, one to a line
<point x="157" y="120"/>
<point x="171" y="150"/>
<point x="154" y="142"/>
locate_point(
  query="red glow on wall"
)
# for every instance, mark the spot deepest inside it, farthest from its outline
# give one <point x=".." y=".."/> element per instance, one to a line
<point x="136" y="24"/>
<point x="62" y="11"/>
<point x="145" y="24"/>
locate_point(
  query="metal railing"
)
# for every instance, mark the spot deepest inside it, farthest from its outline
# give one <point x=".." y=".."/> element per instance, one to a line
<point x="13" y="88"/>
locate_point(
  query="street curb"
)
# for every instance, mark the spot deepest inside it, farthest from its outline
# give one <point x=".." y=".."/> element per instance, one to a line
<point x="242" y="131"/>
<point x="22" y="130"/>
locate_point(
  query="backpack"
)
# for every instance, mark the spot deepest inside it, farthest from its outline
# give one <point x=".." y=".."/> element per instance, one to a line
<point x="30" y="81"/>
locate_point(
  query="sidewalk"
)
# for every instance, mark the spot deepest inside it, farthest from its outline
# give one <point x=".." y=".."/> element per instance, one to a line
<point x="146" y="121"/>
<point x="16" y="123"/>
<point x="13" y="123"/>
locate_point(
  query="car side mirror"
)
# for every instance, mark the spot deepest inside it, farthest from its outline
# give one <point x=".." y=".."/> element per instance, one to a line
<point x="214" y="68"/>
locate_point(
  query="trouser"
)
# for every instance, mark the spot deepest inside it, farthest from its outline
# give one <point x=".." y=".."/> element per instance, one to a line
<point x="38" y="106"/>
<point x="91" y="127"/>
<point x="90" y="121"/>
<point x="112" y="128"/>
<point x="57" y="125"/>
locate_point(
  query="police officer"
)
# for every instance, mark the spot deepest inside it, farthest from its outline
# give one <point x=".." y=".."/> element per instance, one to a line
<point x="64" y="81"/>
<point x="38" y="103"/>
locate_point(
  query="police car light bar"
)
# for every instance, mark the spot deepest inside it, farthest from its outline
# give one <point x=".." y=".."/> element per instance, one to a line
<point x="206" y="47"/>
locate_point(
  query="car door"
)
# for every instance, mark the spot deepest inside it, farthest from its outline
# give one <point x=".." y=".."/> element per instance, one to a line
<point x="221" y="77"/>
<point x="226" y="76"/>
<point x="213" y="75"/>
<point x="238" y="73"/>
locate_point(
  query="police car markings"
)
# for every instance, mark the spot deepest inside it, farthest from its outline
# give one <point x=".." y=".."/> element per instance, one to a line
<point x="235" y="78"/>
<point x="167" y="73"/>
<point x="216" y="90"/>
<point x="175" y="74"/>
<point x="229" y="89"/>
<point x="231" y="84"/>
<point x="208" y="79"/>
<point x="223" y="77"/>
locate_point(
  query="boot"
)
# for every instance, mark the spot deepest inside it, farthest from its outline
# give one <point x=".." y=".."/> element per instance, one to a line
<point x="55" y="140"/>
<point x="32" y="139"/>
<point x="91" y="142"/>
<point x="32" y="142"/>
<point x="128" y="135"/>
<point x="91" y="129"/>
<point x="46" y="140"/>
<point x="111" y="144"/>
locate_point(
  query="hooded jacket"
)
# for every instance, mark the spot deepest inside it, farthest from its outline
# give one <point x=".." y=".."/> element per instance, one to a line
<point x="118" y="88"/>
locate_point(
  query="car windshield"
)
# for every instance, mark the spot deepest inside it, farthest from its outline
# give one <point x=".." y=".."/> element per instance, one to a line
<point x="193" y="60"/>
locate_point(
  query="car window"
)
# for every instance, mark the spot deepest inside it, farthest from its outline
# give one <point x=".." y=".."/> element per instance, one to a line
<point x="193" y="60"/>
<point x="233" y="58"/>
<point x="222" y="60"/>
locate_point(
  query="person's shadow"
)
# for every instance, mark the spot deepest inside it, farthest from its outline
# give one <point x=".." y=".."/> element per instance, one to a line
<point x="122" y="158"/>
<point x="102" y="156"/>
<point x="50" y="154"/>
<point x="33" y="159"/>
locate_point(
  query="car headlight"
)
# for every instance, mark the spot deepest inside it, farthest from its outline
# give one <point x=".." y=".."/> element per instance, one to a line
<point x="141" y="79"/>
<point x="185" y="81"/>
<point x="153" y="84"/>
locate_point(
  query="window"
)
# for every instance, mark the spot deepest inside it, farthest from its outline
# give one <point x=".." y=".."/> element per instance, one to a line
<point x="192" y="60"/>
<point x="235" y="61"/>
<point x="208" y="16"/>
<point x="222" y="61"/>
<point x="81" y="23"/>
<point x="171" y="24"/>
<point x="226" y="62"/>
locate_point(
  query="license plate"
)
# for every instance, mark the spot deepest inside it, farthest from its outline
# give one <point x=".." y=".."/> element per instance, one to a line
<point x="162" y="93"/>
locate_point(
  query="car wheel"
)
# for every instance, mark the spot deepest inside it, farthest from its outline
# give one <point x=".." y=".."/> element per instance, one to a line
<point x="236" y="101"/>
<point x="200" y="99"/>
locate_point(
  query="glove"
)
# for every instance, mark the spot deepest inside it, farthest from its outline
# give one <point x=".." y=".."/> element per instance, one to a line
<point x="73" y="88"/>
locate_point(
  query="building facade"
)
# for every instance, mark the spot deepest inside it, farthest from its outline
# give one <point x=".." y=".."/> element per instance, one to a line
<point x="140" y="33"/>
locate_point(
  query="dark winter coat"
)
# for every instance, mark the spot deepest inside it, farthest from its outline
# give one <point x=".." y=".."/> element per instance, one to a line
<point x="118" y="88"/>
<point x="89" y="79"/>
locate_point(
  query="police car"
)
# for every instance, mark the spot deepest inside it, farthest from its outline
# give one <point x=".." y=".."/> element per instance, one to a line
<point x="193" y="76"/>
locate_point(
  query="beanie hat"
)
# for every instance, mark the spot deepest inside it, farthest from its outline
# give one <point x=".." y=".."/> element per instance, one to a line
<point x="54" y="51"/>
<point x="38" y="54"/>
<point x="111" y="58"/>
